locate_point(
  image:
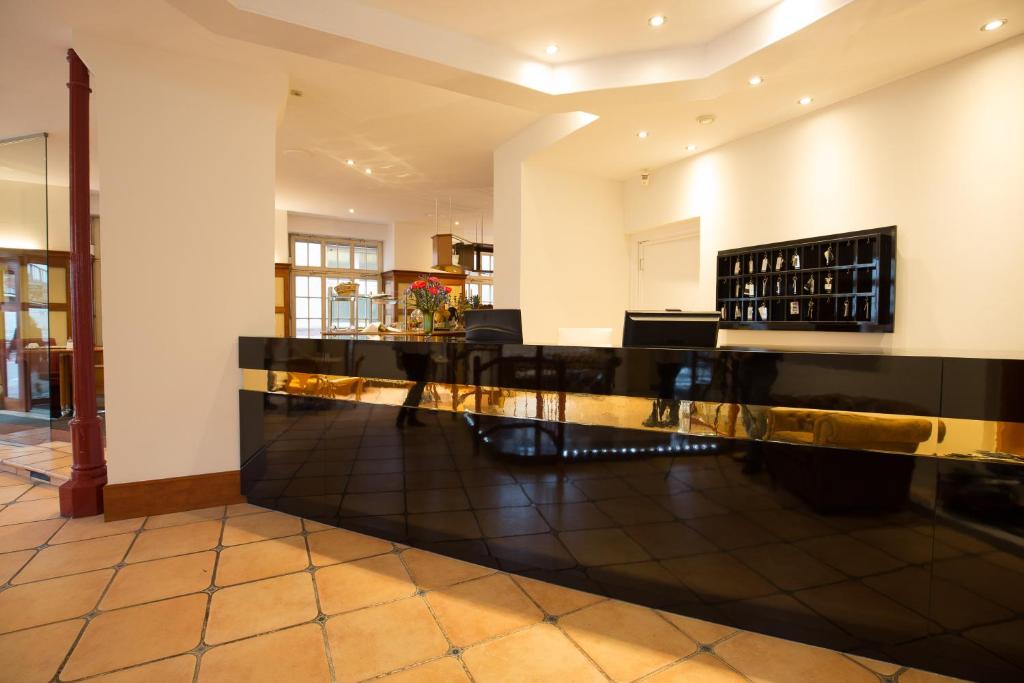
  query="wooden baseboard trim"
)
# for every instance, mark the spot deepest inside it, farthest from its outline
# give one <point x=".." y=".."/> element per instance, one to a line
<point x="176" y="494"/>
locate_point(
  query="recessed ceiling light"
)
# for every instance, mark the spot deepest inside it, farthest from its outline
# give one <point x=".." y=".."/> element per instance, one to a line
<point x="756" y="80"/>
<point x="805" y="100"/>
<point x="705" y="119"/>
<point x="368" y="171"/>
<point x="691" y="148"/>
<point x="551" y="49"/>
<point x="351" y="210"/>
<point x="456" y="222"/>
<point x="350" y="162"/>
<point x="994" y="24"/>
<point x="642" y="134"/>
<point x="656" y="21"/>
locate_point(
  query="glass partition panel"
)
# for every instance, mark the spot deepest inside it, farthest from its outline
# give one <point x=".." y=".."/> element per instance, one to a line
<point x="30" y="281"/>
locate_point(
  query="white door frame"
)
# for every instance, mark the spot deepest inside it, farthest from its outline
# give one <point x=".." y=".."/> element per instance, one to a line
<point x="689" y="227"/>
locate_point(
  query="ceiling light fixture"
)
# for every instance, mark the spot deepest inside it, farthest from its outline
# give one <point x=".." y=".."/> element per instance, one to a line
<point x="642" y="134"/>
<point x="705" y="119"/>
<point x="656" y="21"/>
<point x="351" y="210"/>
<point x="691" y="148"/>
<point x="994" y="24"/>
<point x="756" y="80"/>
<point x="805" y="100"/>
<point x="368" y="171"/>
<point x="350" y="162"/>
<point x="551" y="49"/>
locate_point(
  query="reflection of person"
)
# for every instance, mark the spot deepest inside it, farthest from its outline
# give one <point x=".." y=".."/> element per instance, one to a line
<point x="414" y="358"/>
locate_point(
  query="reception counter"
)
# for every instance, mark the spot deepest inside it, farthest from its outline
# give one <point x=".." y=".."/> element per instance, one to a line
<point x="868" y="503"/>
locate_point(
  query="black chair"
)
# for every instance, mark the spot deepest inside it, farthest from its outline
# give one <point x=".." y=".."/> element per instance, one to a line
<point x="499" y="325"/>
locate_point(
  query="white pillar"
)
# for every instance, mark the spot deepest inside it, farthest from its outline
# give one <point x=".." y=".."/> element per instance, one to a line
<point x="185" y="152"/>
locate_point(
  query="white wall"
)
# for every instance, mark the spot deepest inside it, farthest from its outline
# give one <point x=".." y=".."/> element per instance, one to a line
<point x="574" y="252"/>
<point x="185" y="149"/>
<point x="939" y="154"/>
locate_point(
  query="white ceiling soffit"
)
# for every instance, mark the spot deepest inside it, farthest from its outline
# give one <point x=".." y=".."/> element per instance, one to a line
<point x="364" y="33"/>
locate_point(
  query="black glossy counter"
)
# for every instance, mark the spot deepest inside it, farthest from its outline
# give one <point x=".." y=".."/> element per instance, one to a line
<point x="867" y="503"/>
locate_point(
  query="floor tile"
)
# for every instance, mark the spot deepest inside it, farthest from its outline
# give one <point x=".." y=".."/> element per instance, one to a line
<point x="704" y="668"/>
<point x="536" y="551"/>
<point x="75" y="558"/>
<point x="134" y="635"/>
<point x="790" y="525"/>
<point x="943" y="601"/>
<point x="40" y="491"/>
<point x="9" y="494"/>
<point x="294" y="654"/>
<point x="261" y="606"/>
<point x="690" y="505"/>
<point x="575" y="516"/>
<point x="341" y="545"/>
<point x="160" y="579"/>
<point x="767" y="660"/>
<point x="43" y="602"/>
<point x="633" y="510"/>
<point x="595" y="547"/>
<point x="239" y="509"/>
<point x="187" y="517"/>
<point x="34" y="655"/>
<point x="84" y="528"/>
<point x="625" y="640"/>
<point x="480" y="609"/>
<point x="430" y="570"/>
<point x="311" y="526"/>
<point x="1004" y="639"/>
<point x="553" y="599"/>
<point x="906" y="544"/>
<point x="998" y="583"/>
<point x="176" y="540"/>
<point x="31" y="511"/>
<point x="539" y="653"/>
<point x="376" y="640"/>
<point x="444" y="670"/>
<point x="731" y="531"/>
<point x="261" y="560"/>
<point x="443" y="526"/>
<point x="349" y="586"/>
<point x="10" y="563"/>
<point x="179" y="669"/>
<point x="28" y="535"/>
<point x="718" y="577"/>
<point x="648" y="583"/>
<point x="259" y="527"/>
<point x="884" y="668"/>
<point x="511" y="521"/>
<point x="918" y="676"/>
<point x="436" y="500"/>
<point x="703" y="632"/>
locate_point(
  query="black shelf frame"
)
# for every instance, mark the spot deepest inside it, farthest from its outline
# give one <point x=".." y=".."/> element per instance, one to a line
<point x="854" y="292"/>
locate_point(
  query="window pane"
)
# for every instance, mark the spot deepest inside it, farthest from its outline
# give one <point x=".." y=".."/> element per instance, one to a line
<point x="301" y="285"/>
<point x="301" y="259"/>
<point x="487" y="294"/>
<point x="366" y="258"/>
<point x="486" y="261"/>
<point x="472" y="289"/>
<point x="314" y="328"/>
<point x="314" y="286"/>
<point x="314" y="254"/>
<point x="338" y="256"/>
<point x="301" y="307"/>
<point x="301" y="327"/>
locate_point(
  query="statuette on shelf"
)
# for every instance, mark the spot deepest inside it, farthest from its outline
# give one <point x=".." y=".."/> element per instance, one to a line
<point x="750" y="311"/>
<point x="846" y="308"/>
<point x="737" y="269"/>
<point x="827" y="285"/>
<point x="762" y="310"/>
<point x="794" y="308"/>
<point x="748" y="289"/>
<point x="764" y="263"/>
<point x="809" y="285"/>
<point x="810" y="310"/>
<point x="778" y="286"/>
<point x="750" y="264"/>
<point x="779" y="261"/>
<point x="829" y="255"/>
<point x="736" y="312"/>
<point x="796" y="285"/>
<point x="795" y="261"/>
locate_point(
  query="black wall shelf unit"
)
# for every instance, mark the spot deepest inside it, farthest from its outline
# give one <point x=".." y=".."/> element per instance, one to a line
<point x="835" y="283"/>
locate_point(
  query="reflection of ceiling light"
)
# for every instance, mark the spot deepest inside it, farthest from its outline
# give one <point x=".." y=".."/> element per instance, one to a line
<point x="805" y="100"/>
<point x="350" y="162"/>
<point x="642" y="134"/>
<point x="368" y="171"/>
<point x="755" y="80"/>
<point x="456" y="222"/>
<point x="551" y="49"/>
<point x="994" y="24"/>
<point x="705" y="119"/>
<point x="691" y="148"/>
<point x="351" y="210"/>
<point x="656" y="21"/>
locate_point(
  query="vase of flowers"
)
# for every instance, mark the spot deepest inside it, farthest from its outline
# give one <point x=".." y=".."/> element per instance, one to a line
<point x="429" y="296"/>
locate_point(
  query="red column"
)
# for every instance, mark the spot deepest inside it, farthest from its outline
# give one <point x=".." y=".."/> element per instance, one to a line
<point x="82" y="496"/>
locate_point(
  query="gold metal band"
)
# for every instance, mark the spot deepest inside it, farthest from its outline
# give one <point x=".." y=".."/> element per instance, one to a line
<point x="885" y="433"/>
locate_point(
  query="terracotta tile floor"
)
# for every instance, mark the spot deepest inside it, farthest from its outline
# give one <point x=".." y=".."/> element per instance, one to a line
<point x="245" y="594"/>
<point x="51" y="459"/>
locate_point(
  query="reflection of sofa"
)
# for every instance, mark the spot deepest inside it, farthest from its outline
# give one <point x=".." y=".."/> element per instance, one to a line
<point x="847" y="475"/>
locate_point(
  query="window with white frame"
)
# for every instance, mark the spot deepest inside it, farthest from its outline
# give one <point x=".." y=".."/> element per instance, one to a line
<point x="319" y="264"/>
<point x="481" y="288"/>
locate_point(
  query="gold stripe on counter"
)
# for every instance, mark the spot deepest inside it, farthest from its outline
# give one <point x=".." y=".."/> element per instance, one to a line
<point x="884" y="433"/>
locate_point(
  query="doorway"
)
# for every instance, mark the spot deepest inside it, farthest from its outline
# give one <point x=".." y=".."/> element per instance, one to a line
<point x="665" y="268"/>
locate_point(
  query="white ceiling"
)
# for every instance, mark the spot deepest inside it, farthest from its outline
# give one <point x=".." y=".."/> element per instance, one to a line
<point x="582" y="29"/>
<point x="428" y="125"/>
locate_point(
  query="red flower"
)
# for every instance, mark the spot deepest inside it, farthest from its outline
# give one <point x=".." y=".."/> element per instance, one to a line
<point x="419" y="284"/>
<point x="447" y="290"/>
<point x="433" y="279"/>
<point x="433" y="290"/>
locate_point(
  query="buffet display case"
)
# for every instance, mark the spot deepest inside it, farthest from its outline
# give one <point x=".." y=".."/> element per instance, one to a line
<point x="841" y="283"/>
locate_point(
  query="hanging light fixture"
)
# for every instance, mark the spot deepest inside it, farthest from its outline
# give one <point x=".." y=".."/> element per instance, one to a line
<point x="444" y="245"/>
